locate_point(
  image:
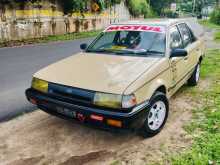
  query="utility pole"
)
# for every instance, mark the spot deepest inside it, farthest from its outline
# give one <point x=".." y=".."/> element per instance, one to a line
<point x="194" y="6"/>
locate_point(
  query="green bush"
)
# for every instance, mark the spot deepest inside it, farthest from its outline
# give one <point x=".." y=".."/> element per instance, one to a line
<point x="170" y="14"/>
<point x="215" y="16"/>
<point x="81" y="5"/>
<point x="139" y="7"/>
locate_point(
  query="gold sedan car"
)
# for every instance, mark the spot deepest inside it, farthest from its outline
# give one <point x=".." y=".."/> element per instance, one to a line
<point x="125" y="77"/>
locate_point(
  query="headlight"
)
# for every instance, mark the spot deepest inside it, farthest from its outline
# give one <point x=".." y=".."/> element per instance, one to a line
<point x="40" y="85"/>
<point x="107" y="100"/>
<point x="128" y="101"/>
<point x="114" y="100"/>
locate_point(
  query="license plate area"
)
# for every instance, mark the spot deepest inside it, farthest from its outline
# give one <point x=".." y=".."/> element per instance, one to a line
<point x="66" y="112"/>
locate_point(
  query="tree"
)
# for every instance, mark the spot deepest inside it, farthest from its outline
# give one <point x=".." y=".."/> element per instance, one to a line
<point x="159" y="5"/>
<point x="139" y="7"/>
<point x="187" y="5"/>
<point x="70" y="6"/>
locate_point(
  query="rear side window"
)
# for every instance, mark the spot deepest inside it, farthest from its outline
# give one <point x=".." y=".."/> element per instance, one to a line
<point x="195" y="27"/>
<point x="175" y="38"/>
<point x="185" y="33"/>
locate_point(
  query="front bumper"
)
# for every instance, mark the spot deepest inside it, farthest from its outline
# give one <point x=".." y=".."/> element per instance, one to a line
<point x="130" y="120"/>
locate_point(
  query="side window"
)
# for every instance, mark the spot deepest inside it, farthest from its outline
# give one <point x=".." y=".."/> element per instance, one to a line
<point x="175" y="38"/>
<point x="193" y="38"/>
<point x="186" y="36"/>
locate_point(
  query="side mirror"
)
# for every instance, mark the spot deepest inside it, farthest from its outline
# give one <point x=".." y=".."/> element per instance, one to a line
<point x="178" y="53"/>
<point x="83" y="46"/>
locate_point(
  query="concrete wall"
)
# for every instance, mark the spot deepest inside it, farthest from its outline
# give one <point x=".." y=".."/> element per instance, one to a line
<point x="38" y="20"/>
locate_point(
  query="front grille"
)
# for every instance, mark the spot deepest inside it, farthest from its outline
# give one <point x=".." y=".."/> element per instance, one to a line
<point x="71" y="94"/>
<point x="76" y="96"/>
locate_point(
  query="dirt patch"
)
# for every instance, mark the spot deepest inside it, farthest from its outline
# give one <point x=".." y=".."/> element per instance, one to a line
<point x="83" y="159"/>
<point x="39" y="138"/>
<point x="27" y="161"/>
<point x="209" y="39"/>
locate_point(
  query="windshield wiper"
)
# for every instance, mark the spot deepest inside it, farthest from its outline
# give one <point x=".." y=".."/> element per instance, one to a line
<point x="153" y="52"/>
<point x="147" y="52"/>
<point x="98" y="51"/>
<point x="143" y="53"/>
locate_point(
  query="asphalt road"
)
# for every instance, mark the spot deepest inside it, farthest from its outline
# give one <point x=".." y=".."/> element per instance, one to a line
<point x="17" y="66"/>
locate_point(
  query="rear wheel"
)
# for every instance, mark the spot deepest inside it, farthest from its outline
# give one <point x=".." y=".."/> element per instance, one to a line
<point x="194" y="79"/>
<point x="156" y="116"/>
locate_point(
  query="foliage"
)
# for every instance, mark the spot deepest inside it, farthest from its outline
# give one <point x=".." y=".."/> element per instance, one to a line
<point x="209" y="24"/>
<point x="74" y="5"/>
<point x="159" y="6"/>
<point x="188" y="6"/>
<point x="170" y="14"/>
<point x="217" y="36"/>
<point x="215" y="16"/>
<point x="139" y="8"/>
<point x="81" y="6"/>
<point x="112" y="2"/>
<point x="17" y="1"/>
<point x="71" y="5"/>
<point x="64" y="37"/>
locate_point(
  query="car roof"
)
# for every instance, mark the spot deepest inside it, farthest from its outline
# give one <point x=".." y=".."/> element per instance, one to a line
<point x="193" y="24"/>
<point x="196" y="28"/>
<point x="157" y="22"/>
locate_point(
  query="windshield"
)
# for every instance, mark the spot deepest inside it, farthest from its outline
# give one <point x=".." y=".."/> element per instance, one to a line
<point x="130" y="42"/>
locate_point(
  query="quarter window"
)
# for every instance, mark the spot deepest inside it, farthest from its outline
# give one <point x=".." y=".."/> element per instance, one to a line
<point x="186" y="36"/>
<point x="175" y="38"/>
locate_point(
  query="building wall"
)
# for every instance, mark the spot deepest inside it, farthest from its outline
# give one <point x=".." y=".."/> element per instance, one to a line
<point x="37" y="20"/>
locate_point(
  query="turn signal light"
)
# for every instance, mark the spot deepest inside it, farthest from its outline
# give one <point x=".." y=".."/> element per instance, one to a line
<point x="33" y="101"/>
<point x="96" y="117"/>
<point x="114" y="123"/>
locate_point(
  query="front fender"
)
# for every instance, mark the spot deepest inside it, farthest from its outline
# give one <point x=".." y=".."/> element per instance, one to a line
<point x="157" y="76"/>
<point x="146" y="91"/>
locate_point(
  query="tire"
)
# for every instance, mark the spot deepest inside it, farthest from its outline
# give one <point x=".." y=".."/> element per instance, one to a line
<point x="194" y="79"/>
<point x="154" y="122"/>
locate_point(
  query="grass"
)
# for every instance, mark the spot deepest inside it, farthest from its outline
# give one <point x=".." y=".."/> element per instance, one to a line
<point x="52" y="38"/>
<point x="209" y="24"/>
<point x="205" y="127"/>
<point x="217" y="36"/>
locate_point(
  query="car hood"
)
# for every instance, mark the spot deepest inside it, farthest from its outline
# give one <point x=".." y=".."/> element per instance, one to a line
<point x="97" y="72"/>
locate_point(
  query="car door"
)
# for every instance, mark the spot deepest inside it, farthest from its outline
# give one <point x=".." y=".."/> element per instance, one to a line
<point x="190" y="45"/>
<point x="178" y="64"/>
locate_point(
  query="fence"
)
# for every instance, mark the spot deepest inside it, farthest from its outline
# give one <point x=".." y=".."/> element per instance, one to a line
<point x="18" y="24"/>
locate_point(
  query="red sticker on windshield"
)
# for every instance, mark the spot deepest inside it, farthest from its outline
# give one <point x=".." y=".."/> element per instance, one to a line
<point x="158" y="29"/>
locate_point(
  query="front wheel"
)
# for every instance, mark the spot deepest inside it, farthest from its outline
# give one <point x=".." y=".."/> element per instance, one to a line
<point x="194" y="79"/>
<point x="156" y="115"/>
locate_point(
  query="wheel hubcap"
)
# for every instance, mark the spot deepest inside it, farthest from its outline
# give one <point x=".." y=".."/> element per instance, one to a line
<point x="156" y="115"/>
<point x="197" y="73"/>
